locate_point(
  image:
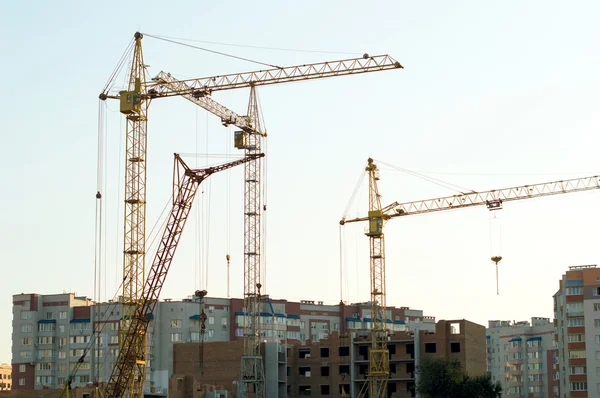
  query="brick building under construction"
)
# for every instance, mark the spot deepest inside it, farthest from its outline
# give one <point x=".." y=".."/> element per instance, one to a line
<point x="329" y="366"/>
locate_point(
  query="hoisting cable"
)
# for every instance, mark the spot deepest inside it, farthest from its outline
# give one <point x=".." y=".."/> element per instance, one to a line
<point x="98" y="222"/>
<point x="354" y="193"/>
<point x="116" y="71"/>
<point x="212" y="51"/>
<point x="228" y="210"/>
<point x="263" y="176"/>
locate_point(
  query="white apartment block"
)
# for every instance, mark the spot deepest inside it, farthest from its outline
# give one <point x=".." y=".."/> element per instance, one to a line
<point x="521" y="355"/>
<point x="53" y="335"/>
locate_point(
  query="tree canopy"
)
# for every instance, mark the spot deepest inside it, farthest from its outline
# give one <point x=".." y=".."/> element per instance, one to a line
<point x="444" y="378"/>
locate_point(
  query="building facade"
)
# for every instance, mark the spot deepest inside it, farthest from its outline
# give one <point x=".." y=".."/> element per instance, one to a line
<point x="338" y="364"/>
<point x="577" y="324"/>
<point x="56" y="336"/>
<point x="522" y="356"/>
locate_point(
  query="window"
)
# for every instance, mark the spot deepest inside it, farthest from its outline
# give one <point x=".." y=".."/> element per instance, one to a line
<point x="324" y="370"/>
<point x="21" y="368"/>
<point x="574" y="290"/>
<point x="176" y="323"/>
<point x="84" y="379"/>
<point x="62" y="355"/>
<point x="49" y="315"/>
<point x="26" y="354"/>
<point x="62" y="315"/>
<point x="430" y="348"/>
<point x="114" y="339"/>
<point x="303" y="353"/>
<point x="26" y="315"/>
<point x="211" y="320"/>
<point x="596" y="307"/>
<point x="577" y="321"/>
<point x="301" y="324"/>
<point x="80" y="326"/>
<point x="224" y="321"/>
<point x="80" y="339"/>
<point x="175" y="337"/>
<point x="596" y="290"/>
<point x="304" y="371"/>
<point x="22" y="381"/>
<point x="577" y="354"/>
<point x="454" y="347"/>
<point x="27" y="328"/>
<point x="26" y="340"/>
<point x="44" y="366"/>
<point x="61" y="328"/>
<point x="45" y="339"/>
<point x="324" y="352"/>
<point x="343" y="351"/>
<point x="211" y="333"/>
<point x="578" y="386"/>
<point x="78" y="352"/>
<point x="336" y="326"/>
<point x="576" y="338"/>
<point x="45" y="327"/>
<point x="577" y="370"/>
<point x="324" y="389"/>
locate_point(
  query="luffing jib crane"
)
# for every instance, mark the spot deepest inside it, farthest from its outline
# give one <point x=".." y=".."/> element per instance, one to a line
<point x="134" y="104"/>
<point x="378" y="373"/>
<point x="130" y="358"/>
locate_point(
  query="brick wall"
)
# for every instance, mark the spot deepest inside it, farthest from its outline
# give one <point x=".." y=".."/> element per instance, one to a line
<point x="221" y="363"/>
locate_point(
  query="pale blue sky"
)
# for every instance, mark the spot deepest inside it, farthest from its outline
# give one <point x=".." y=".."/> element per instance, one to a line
<point x="506" y="89"/>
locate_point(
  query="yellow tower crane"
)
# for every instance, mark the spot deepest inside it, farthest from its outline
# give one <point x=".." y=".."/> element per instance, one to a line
<point x="134" y="104"/>
<point x="379" y="370"/>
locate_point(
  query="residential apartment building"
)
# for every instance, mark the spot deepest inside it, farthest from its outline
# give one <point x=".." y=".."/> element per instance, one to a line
<point x="522" y="355"/>
<point x="336" y="364"/>
<point x="57" y="335"/>
<point x="5" y="377"/>
<point x="577" y="323"/>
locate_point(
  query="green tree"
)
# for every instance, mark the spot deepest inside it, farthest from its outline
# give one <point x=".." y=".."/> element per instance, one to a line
<point x="444" y="378"/>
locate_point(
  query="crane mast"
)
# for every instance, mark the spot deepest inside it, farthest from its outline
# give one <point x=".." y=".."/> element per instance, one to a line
<point x="376" y="385"/>
<point x="185" y="186"/>
<point x="134" y="104"/>
<point x="251" y="365"/>
<point x="379" y="365"/>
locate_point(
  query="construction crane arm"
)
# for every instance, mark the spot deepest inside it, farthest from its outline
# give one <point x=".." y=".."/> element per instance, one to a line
<point x="169" y="84"/>
<point x="492" y="199"/>
<point x="186" y="182"/>
<point x="207" y="85"/>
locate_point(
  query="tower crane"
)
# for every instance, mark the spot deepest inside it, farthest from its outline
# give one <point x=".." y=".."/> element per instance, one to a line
<point x="130" y="358"/>
<point x="378" y="373"/>
<point x="134" y="104"/>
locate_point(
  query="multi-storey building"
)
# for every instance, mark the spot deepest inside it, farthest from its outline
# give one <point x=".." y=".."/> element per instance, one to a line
<point x="62" y="335"/>
<point x="5" y="377"/>
<point x="521" y="355"/>
<point x="577" y="322"/>
<point x="334" y="365"/>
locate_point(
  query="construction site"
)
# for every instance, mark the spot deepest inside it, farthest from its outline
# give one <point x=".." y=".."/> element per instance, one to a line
<point x="238" y="336"/>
